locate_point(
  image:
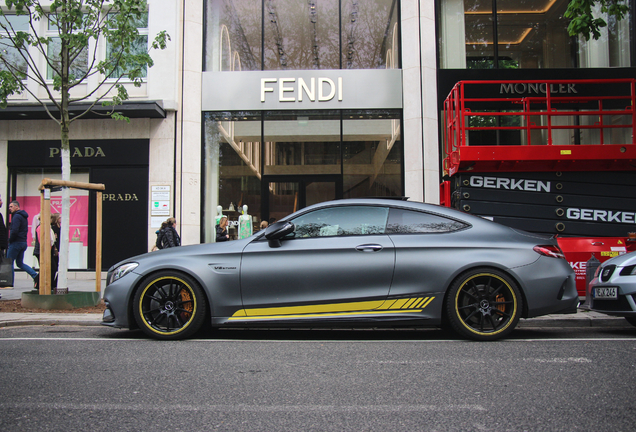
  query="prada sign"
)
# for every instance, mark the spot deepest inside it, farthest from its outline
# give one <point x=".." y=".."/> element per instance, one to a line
<point x="78" y="152"/>
<point x="303" y="89"/>
<point x="84" y="153"/>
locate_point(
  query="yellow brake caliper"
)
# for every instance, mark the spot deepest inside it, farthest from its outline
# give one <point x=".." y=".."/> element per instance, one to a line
<point x="188" y="305"/>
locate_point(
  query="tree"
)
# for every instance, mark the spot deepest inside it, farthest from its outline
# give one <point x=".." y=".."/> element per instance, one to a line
<point x="583" y="21"/>
<point x="67" y="34"/>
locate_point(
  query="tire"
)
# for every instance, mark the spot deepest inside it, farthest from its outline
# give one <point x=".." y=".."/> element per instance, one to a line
<point x="631" y="320"/>
<point x="169" y="306"/>
<point x="484" y="305"/>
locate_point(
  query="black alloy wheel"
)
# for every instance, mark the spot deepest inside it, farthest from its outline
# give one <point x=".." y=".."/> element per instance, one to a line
<point x="484" y="304"/>
<point x="169" y="306"/>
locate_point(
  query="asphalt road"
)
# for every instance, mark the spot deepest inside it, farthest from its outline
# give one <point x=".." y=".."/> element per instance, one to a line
<point x="58" y="378"/>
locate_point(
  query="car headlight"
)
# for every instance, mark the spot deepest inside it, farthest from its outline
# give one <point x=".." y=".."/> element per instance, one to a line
<point x="629" y="270"/>
<point x="121" y="271"/>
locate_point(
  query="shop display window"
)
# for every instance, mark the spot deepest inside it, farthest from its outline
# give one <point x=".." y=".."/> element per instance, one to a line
<point x="27" y="194"/>
<point x="248" y="35"/>
<point x="523" y="34"/>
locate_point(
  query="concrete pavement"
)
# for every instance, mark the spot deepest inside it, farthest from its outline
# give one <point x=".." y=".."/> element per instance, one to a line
<point x="77" y="281"/>
<point x="80" y="281"/>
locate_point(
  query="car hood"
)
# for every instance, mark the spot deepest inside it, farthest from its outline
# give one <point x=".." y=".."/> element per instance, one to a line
<point x="622" y="260"/>
<point x="169" y="254"/>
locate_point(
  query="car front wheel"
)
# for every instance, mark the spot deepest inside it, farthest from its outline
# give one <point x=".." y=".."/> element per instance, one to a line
<point x="631" y="320"/>
<point x="169" y="306"/>
<point x="484" y="304"/>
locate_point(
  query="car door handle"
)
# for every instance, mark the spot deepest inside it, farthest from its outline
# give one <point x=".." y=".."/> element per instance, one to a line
<point x="369" y="248"/>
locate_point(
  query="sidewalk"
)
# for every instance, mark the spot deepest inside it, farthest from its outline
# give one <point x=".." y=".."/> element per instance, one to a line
<point x="86" y="282"/>
<point x="78" y="281"/>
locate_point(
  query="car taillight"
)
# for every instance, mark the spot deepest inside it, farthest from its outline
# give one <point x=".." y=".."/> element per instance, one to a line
<point x="549" y="251"/>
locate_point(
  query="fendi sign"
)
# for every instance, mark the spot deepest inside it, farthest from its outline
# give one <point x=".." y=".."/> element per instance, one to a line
<point x="302" y="89"/>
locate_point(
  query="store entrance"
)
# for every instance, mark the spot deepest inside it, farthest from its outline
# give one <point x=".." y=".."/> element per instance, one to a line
<point x="287" y="194"/>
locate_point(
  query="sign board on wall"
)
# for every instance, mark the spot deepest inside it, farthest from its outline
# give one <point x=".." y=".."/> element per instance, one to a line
<point x="160" y="201"/>
<point x="302" y="89"/>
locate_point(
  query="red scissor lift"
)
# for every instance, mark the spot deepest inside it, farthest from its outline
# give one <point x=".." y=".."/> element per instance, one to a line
<point x="550" y="156"/>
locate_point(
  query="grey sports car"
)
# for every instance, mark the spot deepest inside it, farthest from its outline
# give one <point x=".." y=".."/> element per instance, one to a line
<point x="613" y="290"/>
<point x="349" y="263"/>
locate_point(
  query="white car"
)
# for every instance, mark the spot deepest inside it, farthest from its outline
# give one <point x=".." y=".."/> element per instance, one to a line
<point x="613" y="289"/>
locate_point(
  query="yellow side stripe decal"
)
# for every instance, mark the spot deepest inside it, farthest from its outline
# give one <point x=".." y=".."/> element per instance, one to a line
<point x="416" y="304"/>
<point x="325" y="315"/>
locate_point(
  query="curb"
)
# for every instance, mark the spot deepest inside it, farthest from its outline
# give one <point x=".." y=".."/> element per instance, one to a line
<point x="83" y="320"/>
<point x="609" y="322"/>
<point x="48" y="323"/>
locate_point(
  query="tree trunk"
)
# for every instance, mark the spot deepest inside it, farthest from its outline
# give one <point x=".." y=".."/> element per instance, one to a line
<point x="65" y="67"/>
<point x="62" y="279"/>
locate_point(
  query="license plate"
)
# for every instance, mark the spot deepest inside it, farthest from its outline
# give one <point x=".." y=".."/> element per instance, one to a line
<point x="606" y="293"/>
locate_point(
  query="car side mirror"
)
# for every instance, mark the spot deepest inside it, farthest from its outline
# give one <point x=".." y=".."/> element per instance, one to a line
<point x="277" y="231"/>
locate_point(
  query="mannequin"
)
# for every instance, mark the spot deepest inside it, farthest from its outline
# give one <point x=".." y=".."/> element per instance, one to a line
<point x="219" y="214"/>
<point x="245" y="224"/>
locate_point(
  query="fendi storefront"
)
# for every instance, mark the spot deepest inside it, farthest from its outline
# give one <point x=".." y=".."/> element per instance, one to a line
<point x="121" y="165"/>
<point x="301" y="105"/>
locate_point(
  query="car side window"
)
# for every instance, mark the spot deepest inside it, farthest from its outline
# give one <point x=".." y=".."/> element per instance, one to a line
<point x="342" y="221"/>
<point x="403" y="221"/>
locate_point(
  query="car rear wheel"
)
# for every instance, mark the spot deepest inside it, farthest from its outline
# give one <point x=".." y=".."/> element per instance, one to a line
<point x="484" y="304"/>
<point x="631" y="320"/>
<point x="169" y="306"/>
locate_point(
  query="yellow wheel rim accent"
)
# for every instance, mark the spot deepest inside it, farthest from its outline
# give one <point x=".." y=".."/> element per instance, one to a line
<point x="185" y="295"/>
<point x="497" y="304"/>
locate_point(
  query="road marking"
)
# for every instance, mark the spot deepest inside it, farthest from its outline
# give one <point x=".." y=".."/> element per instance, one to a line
<point x="622" y="339"/>
<point x="242" y="407"/>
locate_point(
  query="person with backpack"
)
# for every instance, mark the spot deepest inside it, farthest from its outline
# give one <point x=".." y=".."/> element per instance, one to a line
<point x="159" y="241"/>
<point x="168" y="235"/>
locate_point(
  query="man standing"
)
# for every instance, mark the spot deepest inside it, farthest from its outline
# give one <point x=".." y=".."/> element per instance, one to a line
<point x="18" y="237"/>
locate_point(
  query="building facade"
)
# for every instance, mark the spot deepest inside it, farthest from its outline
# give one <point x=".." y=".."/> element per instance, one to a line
<point x="278" y="104"/>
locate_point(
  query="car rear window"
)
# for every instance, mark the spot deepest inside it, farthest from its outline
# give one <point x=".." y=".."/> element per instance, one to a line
<point x="403" y="221"/>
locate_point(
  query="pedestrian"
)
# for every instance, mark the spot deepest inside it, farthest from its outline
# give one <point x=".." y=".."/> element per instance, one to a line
<point x="264" y="224"/>
<point x="55" y="260"/>
<point x="159" y="241"/>
<point x="4" y="241"/>
<point x="35" y="234"/>
<point x="56" y="227"/>
<point x="170" y="237"/>
<point x="221" y="230"/>
<point x="18" y="238"/>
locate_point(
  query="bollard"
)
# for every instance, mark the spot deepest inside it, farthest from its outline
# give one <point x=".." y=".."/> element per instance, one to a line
<point x="590" y="269"/>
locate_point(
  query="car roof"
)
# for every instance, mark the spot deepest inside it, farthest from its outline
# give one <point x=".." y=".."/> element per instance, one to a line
<point x="395" y="203"/>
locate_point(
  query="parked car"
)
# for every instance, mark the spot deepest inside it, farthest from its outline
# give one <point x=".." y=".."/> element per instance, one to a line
<point x="349" y="263"/>
<point x="613" y="289"/>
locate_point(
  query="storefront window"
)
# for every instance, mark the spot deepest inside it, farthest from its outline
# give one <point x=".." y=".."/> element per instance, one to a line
<point x="28" y="195"/>
<point x="233" y="35"/>
<point x="302" y="142"/>
<point x="232" y="167"/>
<point x="523" y="34"/>
<point x="372" y="154"/>
<point x="369" y="34"/>
<point x="301" y="34"/>
<point x="247" y="35"/>
<point x="303" y="158"/>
